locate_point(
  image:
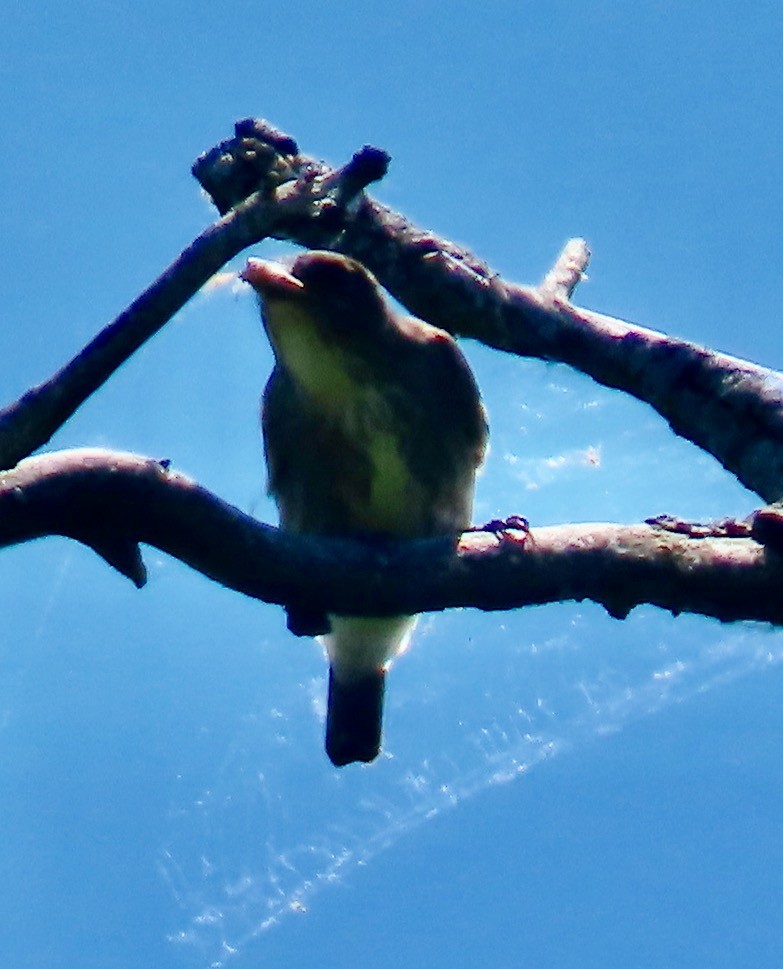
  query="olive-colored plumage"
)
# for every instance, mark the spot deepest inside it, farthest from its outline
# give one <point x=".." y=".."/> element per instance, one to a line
<point x="373" y="426"/>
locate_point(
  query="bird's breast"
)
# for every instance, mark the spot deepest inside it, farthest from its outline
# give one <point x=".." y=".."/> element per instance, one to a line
<point x="385" y="492"/>
<point x="392" y="487"/>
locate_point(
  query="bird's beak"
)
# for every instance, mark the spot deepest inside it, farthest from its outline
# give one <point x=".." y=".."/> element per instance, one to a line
<point x="270" y="278"/>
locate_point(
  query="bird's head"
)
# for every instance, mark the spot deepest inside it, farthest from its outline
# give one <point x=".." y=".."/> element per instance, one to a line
<point x="324" y="315"/>
<point x="339" y="295"/>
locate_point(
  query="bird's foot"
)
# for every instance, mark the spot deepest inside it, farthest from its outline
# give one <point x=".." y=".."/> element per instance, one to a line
<point x="515" y="529"/>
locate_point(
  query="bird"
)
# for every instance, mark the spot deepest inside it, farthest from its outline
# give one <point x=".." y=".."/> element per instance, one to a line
<point x="373" y="428"/>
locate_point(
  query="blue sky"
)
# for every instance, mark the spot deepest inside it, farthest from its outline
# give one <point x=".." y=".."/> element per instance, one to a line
<point x="562" y="790"/>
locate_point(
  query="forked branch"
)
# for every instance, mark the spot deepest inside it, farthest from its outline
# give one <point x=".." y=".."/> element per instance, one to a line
<point x="264" y="186"/>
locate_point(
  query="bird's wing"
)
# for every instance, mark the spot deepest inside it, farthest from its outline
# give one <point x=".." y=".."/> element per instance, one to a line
<point x="448" y="422"/>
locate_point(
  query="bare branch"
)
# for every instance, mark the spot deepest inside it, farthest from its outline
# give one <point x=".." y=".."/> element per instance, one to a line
<point x="303" y="200"/>
<point x="729" y="407"/>
<point x="113" y="501"/>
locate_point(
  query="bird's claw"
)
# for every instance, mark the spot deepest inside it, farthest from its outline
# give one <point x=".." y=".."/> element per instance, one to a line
<point x="502" y="528"/>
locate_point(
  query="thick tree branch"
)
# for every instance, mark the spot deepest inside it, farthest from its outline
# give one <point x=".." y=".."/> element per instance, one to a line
<point x="728" y="407"/>
<point x="113" y="501"/>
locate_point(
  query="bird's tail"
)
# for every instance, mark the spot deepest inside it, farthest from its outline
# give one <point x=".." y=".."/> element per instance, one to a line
<point x="359" y="651"/>
<point x="354" y="716"/>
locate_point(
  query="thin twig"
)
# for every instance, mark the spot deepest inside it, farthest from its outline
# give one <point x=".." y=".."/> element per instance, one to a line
<point x="568" y="270"/>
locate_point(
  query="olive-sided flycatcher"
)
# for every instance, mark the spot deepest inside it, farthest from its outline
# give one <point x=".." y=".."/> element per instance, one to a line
<point x="373" y="426"/>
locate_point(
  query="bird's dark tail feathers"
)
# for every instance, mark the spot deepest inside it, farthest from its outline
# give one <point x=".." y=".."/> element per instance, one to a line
<point x="353" y="717"/>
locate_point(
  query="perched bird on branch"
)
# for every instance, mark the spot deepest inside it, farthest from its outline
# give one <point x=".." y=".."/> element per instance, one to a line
<point x="373" y="427"/>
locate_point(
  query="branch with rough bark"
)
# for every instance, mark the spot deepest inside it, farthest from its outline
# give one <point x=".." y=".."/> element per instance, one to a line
<point x="263" y="186"/>
<point x="111" y="502"/>
<point x="728" y="407"/>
